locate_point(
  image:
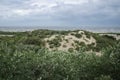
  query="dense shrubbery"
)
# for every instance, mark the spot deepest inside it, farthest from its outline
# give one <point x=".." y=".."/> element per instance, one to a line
<point x="109" y="37"/>
<point x="37" y="38"/>
<point x="88" y="34"/>
<point x="78" y="35"/>
<point x="49" y="32"/>
<point x="34" y="41"/>
<point x="103" y="42"/>
<point x="20" y="62"/>
<point x="54" y="43"/>
<point x="23" y="58"/>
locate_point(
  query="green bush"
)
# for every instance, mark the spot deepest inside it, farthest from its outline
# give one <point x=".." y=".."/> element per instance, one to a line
<point x="78" y="35"/>
<point x="54" y="43"/>
<point x="32" y="63"/>
<point x="88" y="34"/>
<point x="19" y="61"/>
<point x="103" y="42"/>
<point x="34" y="41"/>
<point x="109" y="37"/>
<point x="70" y="49"/>
<point x="104" y="78"/>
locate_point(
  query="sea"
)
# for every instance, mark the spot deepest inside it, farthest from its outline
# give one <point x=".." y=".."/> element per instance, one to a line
<point x="99" y="29"/>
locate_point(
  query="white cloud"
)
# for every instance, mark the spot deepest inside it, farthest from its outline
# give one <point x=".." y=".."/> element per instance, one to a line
<point x="74" y="1"/>
<point x="22" y="12"/>
<point x="41" y="3"/>
<point x="83" y="7"/>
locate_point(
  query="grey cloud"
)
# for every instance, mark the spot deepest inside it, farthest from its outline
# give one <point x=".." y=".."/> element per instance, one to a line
<point x="61" y="11"/>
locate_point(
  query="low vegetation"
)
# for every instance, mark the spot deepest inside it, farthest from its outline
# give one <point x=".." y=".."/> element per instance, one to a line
<point x="24" y="56"/>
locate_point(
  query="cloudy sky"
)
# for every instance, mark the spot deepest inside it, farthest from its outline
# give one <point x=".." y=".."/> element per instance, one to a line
<point x="59" y="12"/>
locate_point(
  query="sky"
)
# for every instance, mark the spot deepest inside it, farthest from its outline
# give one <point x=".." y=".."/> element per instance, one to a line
<point x="59" y="12"/>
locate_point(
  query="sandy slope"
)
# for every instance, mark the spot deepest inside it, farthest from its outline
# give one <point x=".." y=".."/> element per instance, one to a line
<point x="68" y="41"/>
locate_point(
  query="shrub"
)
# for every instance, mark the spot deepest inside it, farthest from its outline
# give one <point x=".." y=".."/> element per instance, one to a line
<point x="77" y="48"/>
<point x="88" y="34"/>
<point x="109" y="37"/>
<point x="66" y="40"/>
<point x="82" y="44"/>
<point x="54" y="43"/>
<point x="31" y="62"/>
<point x="78" y="35"/>
<point x="104" y="78"/>
<point x="34" y="41"/>
<point x="64" y="46"/>
<point x="70" y="49"/>
<point x="103" y="42"/>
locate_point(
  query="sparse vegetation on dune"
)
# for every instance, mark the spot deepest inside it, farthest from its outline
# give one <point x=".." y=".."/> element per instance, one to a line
<point x="40" y="55"/>
<point x="57" y="39"/>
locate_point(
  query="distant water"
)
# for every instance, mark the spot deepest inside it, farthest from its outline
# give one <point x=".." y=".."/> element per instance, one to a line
<point x="88" y="28"/>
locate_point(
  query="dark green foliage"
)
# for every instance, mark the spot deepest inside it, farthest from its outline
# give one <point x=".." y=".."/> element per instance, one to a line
<point x="89" y="47"/>
<point x="37" y="38"/>
<point x="20" y="62"/>
<point x="23" y="58"/>
<point x="70" y="49"/>
<point x="64" y="32"/>
<point x="34" y="41"/>
<point x="82" y="44"/>
<point x="59" y="38"/>
<point x="10" y="33"/>
<point x="104" y="78"/>
<point x="45" y="32"/>
<point x="54" y="43"/>
<point x="79" y="43"/>
<point x="77" y="48"/>
<point x="103" y="42"/>
<point x="64" y="46"/>
<point x="109" y="37"/>
<point x="88" y="34"/>
<point x="66" y="40"/>
<point x="72" y="34"/>
<point x="78" y="35"/>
